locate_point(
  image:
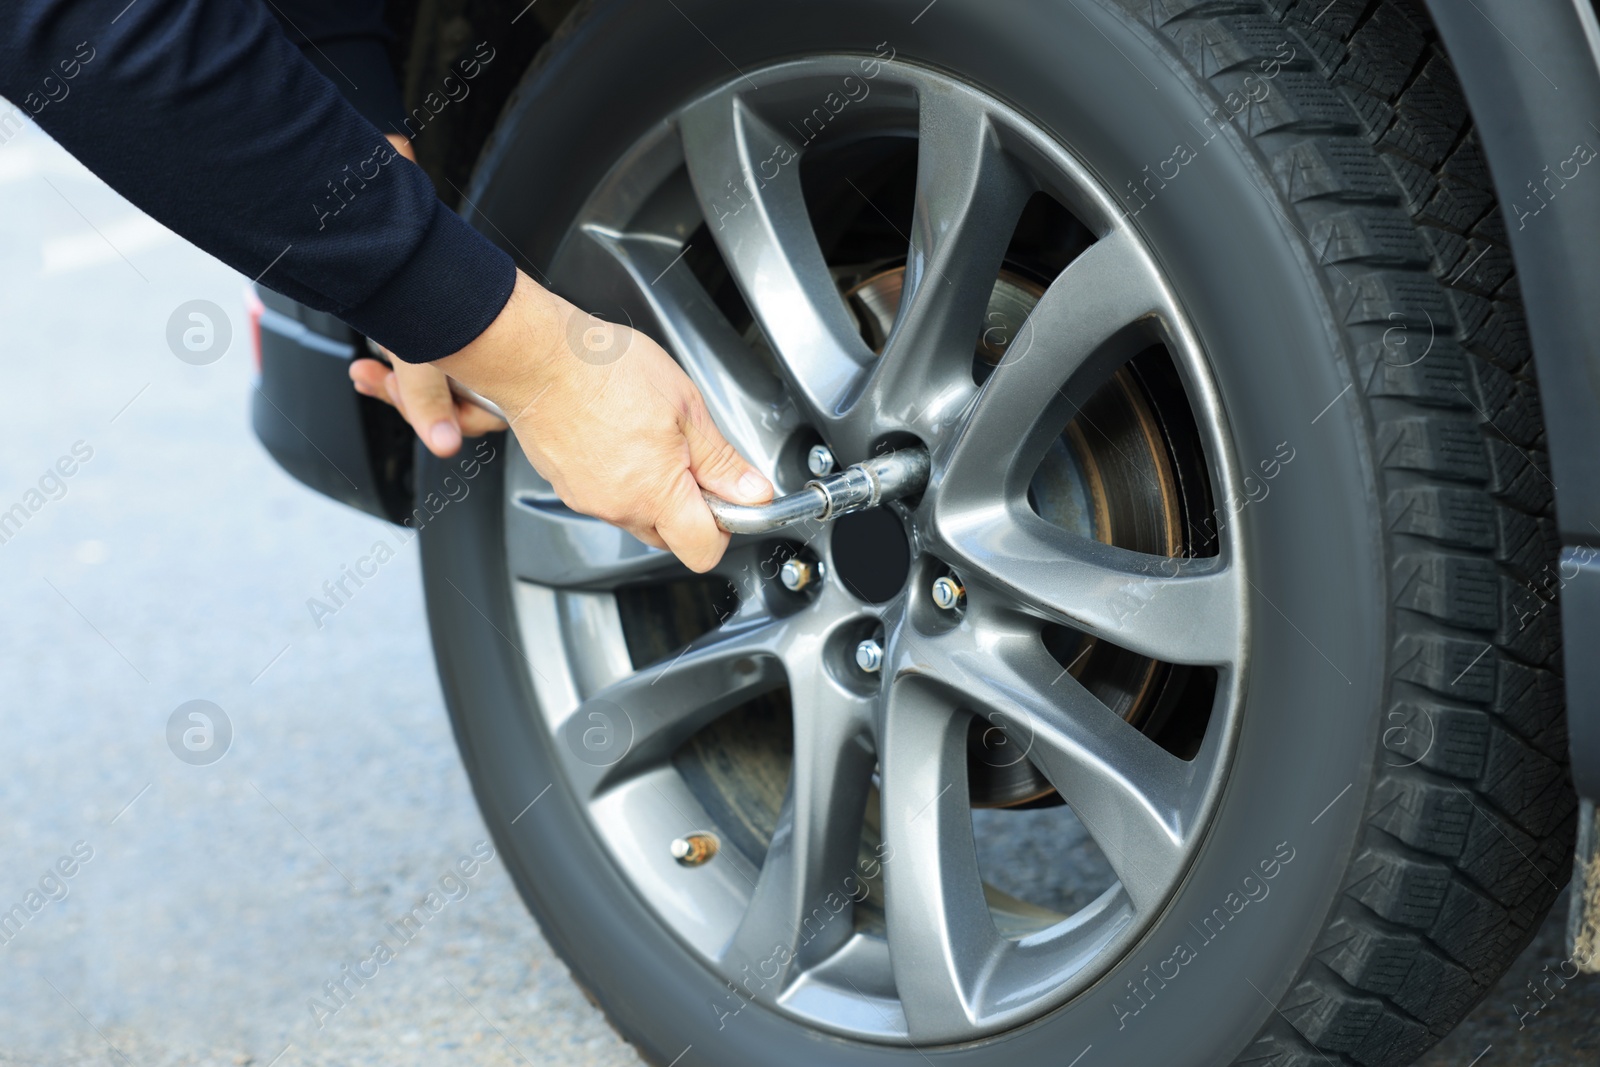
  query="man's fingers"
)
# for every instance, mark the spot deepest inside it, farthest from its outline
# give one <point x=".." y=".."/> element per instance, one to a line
<point x="391" y="392"/>
<point x="373" y="378"/>
<point x="688" y="529"/>
<point x="650" y="537"/>
<point x="718" y="466"/>
<point x="368" y="375"/>
<point x="474" y="421"/>
<point x="428" y="405"/>
<point x="402" y="145"/>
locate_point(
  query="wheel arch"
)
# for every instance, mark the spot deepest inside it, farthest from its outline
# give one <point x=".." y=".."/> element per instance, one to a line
<point x="430" y="39"/>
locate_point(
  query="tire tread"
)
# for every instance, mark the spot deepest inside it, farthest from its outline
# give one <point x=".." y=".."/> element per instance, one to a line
<point x="1468" y="824"/>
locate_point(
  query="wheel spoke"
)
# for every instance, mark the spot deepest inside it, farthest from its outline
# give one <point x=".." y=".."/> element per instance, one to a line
<point x="1178" y="610"/>
<point x="1131" y="794"/>
<point x="801" y="910"/>
<point x="665" y="704"/>
<point x="941" y="936"/>
<point x="1097" y="301"/>
<point x="760" y="222"/>
<point x="745" y="401"/>
<point x="548" y="543"/>
<point x="969" y="197"/>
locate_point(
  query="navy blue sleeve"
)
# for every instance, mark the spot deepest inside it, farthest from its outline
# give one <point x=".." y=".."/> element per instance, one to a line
<point x="348" y="41"/>
<point x="206" y="116"/>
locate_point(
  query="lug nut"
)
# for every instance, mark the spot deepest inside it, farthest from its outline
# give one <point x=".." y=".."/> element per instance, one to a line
<point x="869" y="656"/>
<point x="819" y="461"/>
<point x="694" y="849"/>
<point x="796" y="574"/>
<point x="948" y="593"/>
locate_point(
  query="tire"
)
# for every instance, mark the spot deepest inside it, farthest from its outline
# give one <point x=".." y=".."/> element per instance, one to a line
<point x="1397" y="757"/>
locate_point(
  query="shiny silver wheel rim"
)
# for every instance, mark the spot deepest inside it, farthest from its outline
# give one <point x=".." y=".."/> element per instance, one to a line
<point x="943" y="972"/>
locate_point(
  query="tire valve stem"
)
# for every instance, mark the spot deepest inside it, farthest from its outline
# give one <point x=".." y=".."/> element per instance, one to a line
<point x="694" y="850"/>
<point x="948" y="593"/>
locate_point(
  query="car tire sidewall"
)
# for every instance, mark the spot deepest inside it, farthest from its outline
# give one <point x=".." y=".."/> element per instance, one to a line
<point x="1104" y="85"/>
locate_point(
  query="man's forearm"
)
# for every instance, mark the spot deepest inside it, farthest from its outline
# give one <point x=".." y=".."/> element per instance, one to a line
<point x="204" y="115"/>
<point x="348" y="41"/>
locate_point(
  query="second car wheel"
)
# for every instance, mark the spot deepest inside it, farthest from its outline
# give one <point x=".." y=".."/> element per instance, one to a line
<point x="1234" y="730"/>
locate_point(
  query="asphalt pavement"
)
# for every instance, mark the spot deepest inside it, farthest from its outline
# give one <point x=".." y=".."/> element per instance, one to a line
<point x="173" y="565"/>
<point x="191" y="876"/>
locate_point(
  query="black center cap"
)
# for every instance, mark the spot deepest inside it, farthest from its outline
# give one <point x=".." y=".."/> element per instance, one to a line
<point x="871" y="554"/>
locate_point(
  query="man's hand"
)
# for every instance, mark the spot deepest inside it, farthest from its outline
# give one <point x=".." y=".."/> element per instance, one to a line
<point x="609" y="419"/>
<point x="603" y="413"/>
<point x="421" y="393"/>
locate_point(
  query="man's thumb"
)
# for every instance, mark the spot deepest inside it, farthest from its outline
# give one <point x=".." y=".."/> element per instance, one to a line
<point x="719" y="468"/>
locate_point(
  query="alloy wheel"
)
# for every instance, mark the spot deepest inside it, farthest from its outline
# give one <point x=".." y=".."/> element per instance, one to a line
<point x="842" y="882"/>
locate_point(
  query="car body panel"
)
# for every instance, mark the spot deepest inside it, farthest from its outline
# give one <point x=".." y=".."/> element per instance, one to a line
<point x="313" y="423"/>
